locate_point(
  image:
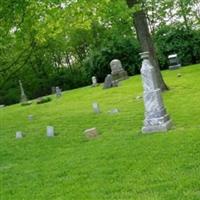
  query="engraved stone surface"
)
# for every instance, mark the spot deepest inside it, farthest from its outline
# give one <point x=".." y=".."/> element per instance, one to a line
<point x="94" y="81"/>
<point x="118" y="72"/>
<point x="50" y="131"/>
<point x="96" y="108"/>
<point x="156" y="117"/>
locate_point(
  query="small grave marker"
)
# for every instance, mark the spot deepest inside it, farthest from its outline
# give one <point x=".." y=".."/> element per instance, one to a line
<point x="50" y="131"/>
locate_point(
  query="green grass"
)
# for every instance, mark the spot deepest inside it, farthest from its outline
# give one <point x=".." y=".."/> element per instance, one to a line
<point x="120" y="164"/>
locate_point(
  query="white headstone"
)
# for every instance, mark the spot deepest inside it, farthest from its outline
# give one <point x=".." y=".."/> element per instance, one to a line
<point x="96" y="107"/>
<point x="50" y="131"/>
<point x="94" y="81"/>
<point x="19" y="135"/>
<point x="156" y="117"/>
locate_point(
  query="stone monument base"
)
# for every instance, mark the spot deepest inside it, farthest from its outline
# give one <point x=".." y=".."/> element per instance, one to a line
<point x="164" y="127"/>
<point x="121" y="75"/>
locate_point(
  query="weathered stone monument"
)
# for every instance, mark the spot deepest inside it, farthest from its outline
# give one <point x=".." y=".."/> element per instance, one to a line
<point x="174" y="61"/>
<point x="50" y="131"/>
<point x="94" y="81"/>
<point x="118" y="73"/>
<point x="19" y="135"/>
<point x="23" y="95"/>
<point x="156" y="117"/>
<point x="96" y="108"/>
<point x="58" y="92"/>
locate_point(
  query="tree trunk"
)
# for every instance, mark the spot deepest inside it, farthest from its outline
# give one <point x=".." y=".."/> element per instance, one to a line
<point x="146" y="43"/>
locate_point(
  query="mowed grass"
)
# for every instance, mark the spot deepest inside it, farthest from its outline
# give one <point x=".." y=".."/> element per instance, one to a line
<point x="121" y="163"/>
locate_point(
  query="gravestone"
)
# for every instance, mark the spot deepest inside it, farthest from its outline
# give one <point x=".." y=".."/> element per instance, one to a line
<point x="19" y="135"/>
<point x="174" y="61"/>
<point x="114" y="111"/>
<point x="91" y="133"/>
<point x="118" y="73"/>
<point x="50" y="131"/>
<point x="23" y="95"/>
<point x="156" y="117"/>
<point x="108" y="81"/>
<point x="96" y="108"/>
<point x="58" y="92"/>
<point x="30" y="117"/>
<point x="94" y="81"/>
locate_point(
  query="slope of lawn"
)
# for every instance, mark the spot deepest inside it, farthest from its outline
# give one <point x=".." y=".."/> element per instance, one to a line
<point x="121" y="163"/>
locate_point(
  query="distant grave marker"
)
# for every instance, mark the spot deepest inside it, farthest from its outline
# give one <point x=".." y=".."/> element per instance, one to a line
<point x="108" y="81"/>
<point x="118" y="73"/>
<point x="96" y="108"/>
<point x="94" y="81"/>
<point x="58" y="92"/>
<point x="50" y="131"/>
<point x="19" y="135"/>
<point x="174" y="61"/>
<point x="91" y="133"/>
<point x="30" y="117"/>
<point x="114" y="111"/>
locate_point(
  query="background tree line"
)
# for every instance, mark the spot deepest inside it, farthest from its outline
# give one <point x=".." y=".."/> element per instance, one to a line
<point x="49" y="43"/>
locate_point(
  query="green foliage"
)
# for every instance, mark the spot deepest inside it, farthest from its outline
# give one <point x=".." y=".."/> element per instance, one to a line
<point x="27" y="103"/>
<point x="36" y="36"/>
<point x="177" y="39"/>
<point x="42" y="100"/>
<point x="121" y="163"/>
<point x="121" y="47"/>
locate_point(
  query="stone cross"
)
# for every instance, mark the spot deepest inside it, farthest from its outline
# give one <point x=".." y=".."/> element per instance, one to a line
<point x="94" y="81"/>
<point x="23" y="95"/>
<point x="96" y="107"/>
<point x="118" y="73"/>
<point x="156" y="117"/>
<point x="50" y="131"/>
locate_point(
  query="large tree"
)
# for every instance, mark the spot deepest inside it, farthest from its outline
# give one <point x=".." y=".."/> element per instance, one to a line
<point x="144" y="37"/>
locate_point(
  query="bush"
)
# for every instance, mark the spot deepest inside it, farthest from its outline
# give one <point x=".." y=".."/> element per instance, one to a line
<point x="42" y="100"/>
<point x="26" y="103"/>
<point x="179" y="40"/>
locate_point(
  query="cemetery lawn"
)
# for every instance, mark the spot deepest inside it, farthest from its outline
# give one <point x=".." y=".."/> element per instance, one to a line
<point x="121" y="163"/>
